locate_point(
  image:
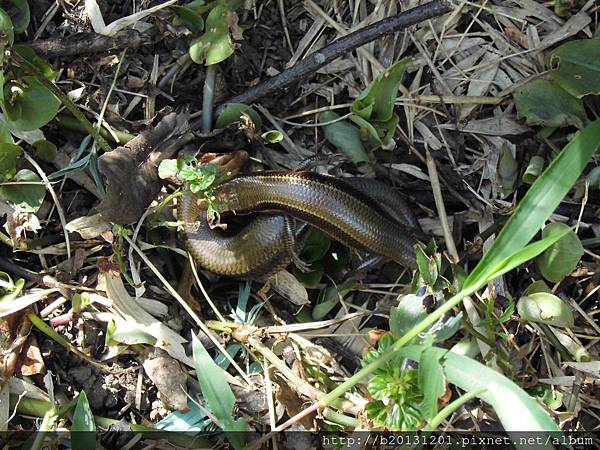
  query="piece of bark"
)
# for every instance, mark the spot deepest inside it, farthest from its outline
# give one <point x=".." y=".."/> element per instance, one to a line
<point x="87" y="43"/>
<point x="131" y="171"/>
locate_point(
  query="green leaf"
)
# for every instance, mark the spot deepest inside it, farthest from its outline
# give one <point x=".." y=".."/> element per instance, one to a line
<point x="234" y="111"/>
<point x="537" y="286"/>
<point x="562" y="257"/>
<point x="330" y="298"/>
<point x="128" y="333"/>
<point x="215" y="44"/>
<point x="272" y="136"/>
<point x="83" y="430"/>
<point x="431" y="380"/>
<point x="373" y="110"/>
<point x="189" y="18"/>
<point x="376" y="103"/>
<point x="26" y="197"/>
<point x="316" y="245"/>
<point x="10" y="290"/>
<point x="9" y="155"/>
<point x="576" y="67"/>
<point x="545" y="308"/>
<point x="30" y="55"/>
<point x="6" y="27"/>
<point x="534" y="169"/>
<point x="312" y="277"/>
<point x="19" y="13"/>
<point x="167" y="168"/>
<point x="368" y="133"/>
<point x="407" y="314"/>
<point x="428" y="269"/>
<point x="217" y="393"/>
<point x="516" y="410"/>
<point x="5" y="135"/>
<point x="28" y="105"/>
<point x="45" y="150"/>
<point x="344" y="136"/>
<point x="540" y="201"/>
<point x="508" y="170"/>
<point x="545" y="103"/>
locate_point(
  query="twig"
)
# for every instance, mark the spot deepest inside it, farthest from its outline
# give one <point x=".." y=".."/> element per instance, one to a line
<point x="86" y="43"/>
<point x="441" y="208"/>
<point x="342" y="46"/>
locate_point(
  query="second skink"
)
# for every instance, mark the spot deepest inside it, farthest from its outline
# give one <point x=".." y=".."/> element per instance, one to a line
<point x="327" y="203"/>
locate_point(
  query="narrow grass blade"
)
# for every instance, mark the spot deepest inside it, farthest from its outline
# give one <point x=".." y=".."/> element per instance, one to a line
<point x="540" y="201"/>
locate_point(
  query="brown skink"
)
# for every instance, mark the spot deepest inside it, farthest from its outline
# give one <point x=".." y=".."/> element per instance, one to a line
<point x="327" y="203"/>
<point x="265" y="246"/>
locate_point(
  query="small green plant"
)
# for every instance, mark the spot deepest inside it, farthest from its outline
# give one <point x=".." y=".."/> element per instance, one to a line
<point x="200" y="179"/>
<point x="395" y="390"/>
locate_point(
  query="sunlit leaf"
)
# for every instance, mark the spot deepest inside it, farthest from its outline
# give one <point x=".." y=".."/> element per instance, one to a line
<point x="545" y="308"/>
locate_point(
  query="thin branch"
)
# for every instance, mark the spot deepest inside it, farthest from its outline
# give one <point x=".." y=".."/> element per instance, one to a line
<point x="346" y="44"/>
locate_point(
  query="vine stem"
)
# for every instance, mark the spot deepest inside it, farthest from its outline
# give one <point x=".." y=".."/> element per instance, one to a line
<point x="34" y="71"/>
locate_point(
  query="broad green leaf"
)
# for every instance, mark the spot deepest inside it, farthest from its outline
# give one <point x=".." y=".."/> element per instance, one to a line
<point x="45" y="150"/>
<point x="215" y="45"/>
<point x="344" y="136"/>
<point x="315" y="246"/>
<point x="516" y="410"/>
<point x="28" y="194"/>
<point x="545" y="103"/>
<point x="233" y="113"/>
<point x="431" y="380"/>
<point x="562" y="257"/>
<point x="9" y="155"/>
<point x="540" y="201"/>
<point x="189" y="18"/>
<point x="537" y="286"/>
<point x="28" y="105"/>
<point x="312" y="277"/>
<point x="217" y="393"/>
<point x="576" y="66"/>
<point x="6" y="27"/>
<point x="5" y="135"/>
<point x="18" y="10"/>
<point x="545" y="308"/>
<point x="376" y="103"/>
